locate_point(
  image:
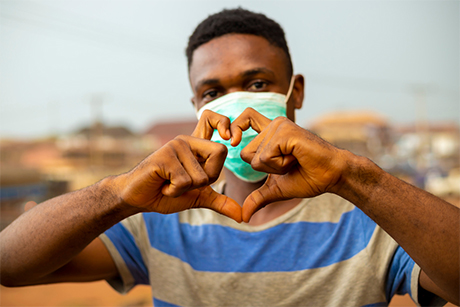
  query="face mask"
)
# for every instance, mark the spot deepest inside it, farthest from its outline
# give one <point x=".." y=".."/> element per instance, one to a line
<point x="271" y="105"/>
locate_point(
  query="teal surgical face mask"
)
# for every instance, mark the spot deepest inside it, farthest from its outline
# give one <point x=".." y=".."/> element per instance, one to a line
<point x="271" y="105"/>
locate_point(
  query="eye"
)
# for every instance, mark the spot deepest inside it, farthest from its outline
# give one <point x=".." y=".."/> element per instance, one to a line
<point x="210" y="94"/>
<point x="257" y="86"/>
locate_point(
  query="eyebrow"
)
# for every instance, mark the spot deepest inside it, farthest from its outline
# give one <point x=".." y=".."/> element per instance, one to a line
<point x="206" y="82"/>
<point x="247" y="73"/>
<point x="255" y="71"/>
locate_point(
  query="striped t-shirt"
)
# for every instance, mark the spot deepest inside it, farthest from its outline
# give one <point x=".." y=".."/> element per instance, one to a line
<point x="323" y="252"/>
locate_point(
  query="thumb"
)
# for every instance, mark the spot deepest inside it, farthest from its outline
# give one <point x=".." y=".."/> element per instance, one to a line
<point x="222" y="204"/>
<point x="266" y="194"/>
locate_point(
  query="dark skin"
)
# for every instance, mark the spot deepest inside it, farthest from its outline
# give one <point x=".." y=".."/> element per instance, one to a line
<point x="260" y="68"/>
<point x="177" y="177"/>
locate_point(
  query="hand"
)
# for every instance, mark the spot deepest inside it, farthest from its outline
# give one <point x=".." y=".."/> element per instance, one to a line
<point x="177" y="177"/>
<point x="211" y="121"/>
<point x="300" y="164"/>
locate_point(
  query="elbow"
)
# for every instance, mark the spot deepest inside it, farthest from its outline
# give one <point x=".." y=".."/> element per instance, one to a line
<point x="7" y="281"/>
<point x="452" y="295"/>
<point x="10" y="278"/>
<point x="11" y="282"/>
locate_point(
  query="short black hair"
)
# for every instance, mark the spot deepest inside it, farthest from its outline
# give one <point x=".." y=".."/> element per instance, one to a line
<point x="238" y="21"/>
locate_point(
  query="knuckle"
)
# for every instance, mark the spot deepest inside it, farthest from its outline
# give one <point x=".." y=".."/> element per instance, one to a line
<point x="183" y="182"/>
<point x="246" y="155"/>
<point x="265" y="158"/>
<point x="201" y="181"/>
<point x="256" y="164"/>
<point x="179" y="138"/>
<point x="207" y="113"/>
<point x="281" y="120"/>
<point x="180" y="142"/>
<point x="221" y="149"/>
<point x="224" y="120"/>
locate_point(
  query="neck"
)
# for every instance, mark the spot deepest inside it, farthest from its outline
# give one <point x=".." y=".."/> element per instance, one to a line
<point x="238" y="190"/>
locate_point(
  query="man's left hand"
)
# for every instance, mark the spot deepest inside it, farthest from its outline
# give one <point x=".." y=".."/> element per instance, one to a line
<point x="300" y="163"/>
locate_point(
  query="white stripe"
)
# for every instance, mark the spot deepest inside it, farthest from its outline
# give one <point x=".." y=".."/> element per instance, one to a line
<point x="323" y="208"/>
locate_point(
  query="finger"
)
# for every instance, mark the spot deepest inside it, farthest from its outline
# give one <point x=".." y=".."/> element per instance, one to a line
<point x="29" y="205"/>
<point x="211" y="156"/>
<point x="271" y="150"/>
<point x="192" y="163"/>
<point x="248" y="152"/>
<point x="249" y="118"/>
<point x="222" y="204"/>
<point x="266" y="194"/>
<point x="177" y="180"/>
<point x="274" y="155"/>
<point x="209" y="121"/>
<point x="271" y="160"/>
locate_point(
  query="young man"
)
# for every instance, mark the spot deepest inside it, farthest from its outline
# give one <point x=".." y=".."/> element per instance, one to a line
<point x="301" y="244"/>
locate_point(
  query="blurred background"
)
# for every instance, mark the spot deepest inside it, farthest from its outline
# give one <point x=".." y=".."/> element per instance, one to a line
<point x="89" y="88"/>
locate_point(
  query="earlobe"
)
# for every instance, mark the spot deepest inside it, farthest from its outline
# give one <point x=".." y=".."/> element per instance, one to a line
<point x="298" y="92"/>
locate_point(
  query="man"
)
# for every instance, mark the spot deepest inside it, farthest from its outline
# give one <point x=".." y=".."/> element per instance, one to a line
<point x="301" y="244"/>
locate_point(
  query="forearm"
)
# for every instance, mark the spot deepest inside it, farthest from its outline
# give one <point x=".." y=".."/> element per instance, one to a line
<point x="48" y="236"/>
<point x="424" y="225"/>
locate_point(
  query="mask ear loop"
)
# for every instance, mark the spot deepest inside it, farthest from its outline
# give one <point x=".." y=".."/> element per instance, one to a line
<point x="291" y="88"/>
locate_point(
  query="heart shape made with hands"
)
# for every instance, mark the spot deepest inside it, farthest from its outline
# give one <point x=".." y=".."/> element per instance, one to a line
<point x="262" y="153"/>
<point x="299" y="163"/>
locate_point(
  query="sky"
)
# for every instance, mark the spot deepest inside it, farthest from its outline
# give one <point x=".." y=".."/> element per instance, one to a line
<point x="64" y="64"/>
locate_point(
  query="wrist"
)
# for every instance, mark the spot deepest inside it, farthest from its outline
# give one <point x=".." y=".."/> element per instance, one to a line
<point x="113" y="186"/>
<point x="356" y="173"/>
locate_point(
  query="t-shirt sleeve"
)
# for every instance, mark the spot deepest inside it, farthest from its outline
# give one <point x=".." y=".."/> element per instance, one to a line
<point x="403" y="278"/>
<point x="121" y="243"/>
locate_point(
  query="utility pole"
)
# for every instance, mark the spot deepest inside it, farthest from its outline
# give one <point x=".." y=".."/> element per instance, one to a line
<point x="96" y="131"/>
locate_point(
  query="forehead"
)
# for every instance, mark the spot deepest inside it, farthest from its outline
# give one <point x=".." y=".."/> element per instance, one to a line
<point x="230" y="55"/>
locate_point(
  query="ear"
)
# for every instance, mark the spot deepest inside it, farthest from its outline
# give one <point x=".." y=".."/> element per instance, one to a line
<point x="192" y="100"/>
<point x="298" y="91"/>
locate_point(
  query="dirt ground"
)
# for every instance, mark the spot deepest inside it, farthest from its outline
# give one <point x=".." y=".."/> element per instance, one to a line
<point x="73" y="295"/>
<point x="97" y="294"/>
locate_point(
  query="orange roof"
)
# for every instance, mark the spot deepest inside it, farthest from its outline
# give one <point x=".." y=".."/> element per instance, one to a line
<point x="350" y="117"/>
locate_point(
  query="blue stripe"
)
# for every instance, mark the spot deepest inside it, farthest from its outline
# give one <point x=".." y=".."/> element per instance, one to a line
<point x="160" y="303"/>
<point x="381" y="304"/>
<point x="399" y="275"/>
<point x="126" y="246"/>
<point x="283" y="248"/>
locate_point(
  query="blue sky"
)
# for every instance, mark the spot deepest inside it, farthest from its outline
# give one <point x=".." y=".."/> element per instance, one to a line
<point x="58" y="56"/>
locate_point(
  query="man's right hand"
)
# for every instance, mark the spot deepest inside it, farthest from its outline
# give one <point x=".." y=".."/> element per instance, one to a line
<point x="65" y="228"/>
<point x="177" y="177"/>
